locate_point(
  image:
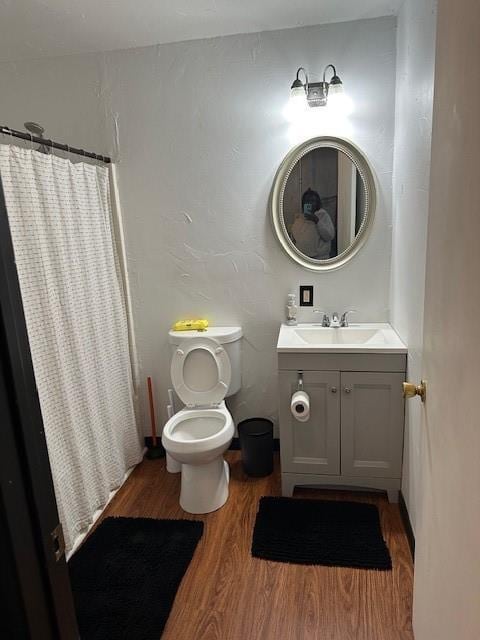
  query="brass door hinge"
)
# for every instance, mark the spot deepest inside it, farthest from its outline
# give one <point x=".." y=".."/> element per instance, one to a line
<point x="58" y="542"/>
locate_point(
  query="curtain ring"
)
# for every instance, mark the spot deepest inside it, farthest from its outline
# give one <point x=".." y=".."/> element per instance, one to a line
<point x="31" y="141"/>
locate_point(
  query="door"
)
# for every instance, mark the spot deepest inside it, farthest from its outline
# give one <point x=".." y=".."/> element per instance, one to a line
<point x="447" y="556"/>
<point x="25" y="601"/>
<point x="372" y="424"/>
<point x="312" y="446"/>
<point x="29" y="512"/>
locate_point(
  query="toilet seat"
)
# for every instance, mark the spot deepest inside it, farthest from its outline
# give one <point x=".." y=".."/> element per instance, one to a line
<point x="199" y="430"/>
<point x="205" y="394"/>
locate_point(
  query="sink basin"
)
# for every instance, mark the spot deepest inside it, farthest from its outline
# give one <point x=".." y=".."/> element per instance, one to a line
<point x="345" y="335"/>
<point x="356" y="338"/>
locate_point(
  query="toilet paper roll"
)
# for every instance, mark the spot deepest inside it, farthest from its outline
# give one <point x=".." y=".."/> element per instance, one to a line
<point x="300" y="406"/>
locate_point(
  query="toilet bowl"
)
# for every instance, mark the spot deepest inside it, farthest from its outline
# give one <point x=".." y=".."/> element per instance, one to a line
<point x="198" y="435"/>
<point x="198" y="438"/>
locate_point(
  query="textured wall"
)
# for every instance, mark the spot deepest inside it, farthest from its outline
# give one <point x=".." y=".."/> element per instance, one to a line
<point x="447" y="562"/>
<point x="63" y="94"/>
<point x="201" y="134"/>
<point x="413" y="130"/>
<point x="199" y="131"/>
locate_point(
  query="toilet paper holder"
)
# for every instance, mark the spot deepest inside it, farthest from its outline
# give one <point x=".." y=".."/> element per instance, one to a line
<point x="300" y="402"/>
<point x="300" y="381"/>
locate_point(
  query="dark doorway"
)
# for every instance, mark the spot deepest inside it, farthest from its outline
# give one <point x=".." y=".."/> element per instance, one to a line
<point x="34" y="579"/>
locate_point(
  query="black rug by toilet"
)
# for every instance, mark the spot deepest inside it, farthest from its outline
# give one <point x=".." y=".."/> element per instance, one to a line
<point x="325" y="532"/>
<point x="125" y="576"/>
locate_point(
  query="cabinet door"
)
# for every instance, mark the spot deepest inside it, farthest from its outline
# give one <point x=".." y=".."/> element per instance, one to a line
<point x="372" y="424"/>
<point x="312" y="446"/>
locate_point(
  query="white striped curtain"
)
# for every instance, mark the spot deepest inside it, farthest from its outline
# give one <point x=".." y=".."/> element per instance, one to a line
<point x="61" y="226"/>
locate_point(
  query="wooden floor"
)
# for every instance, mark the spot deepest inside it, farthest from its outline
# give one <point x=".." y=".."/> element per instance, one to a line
<point x="228" y="595"/>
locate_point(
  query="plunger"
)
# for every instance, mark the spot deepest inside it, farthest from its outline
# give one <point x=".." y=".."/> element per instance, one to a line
<point x="156" y="450"/>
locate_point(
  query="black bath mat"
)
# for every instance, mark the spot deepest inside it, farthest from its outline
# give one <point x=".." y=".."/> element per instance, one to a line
<point x="327" y="532"/>
<point x="125" y="576"/>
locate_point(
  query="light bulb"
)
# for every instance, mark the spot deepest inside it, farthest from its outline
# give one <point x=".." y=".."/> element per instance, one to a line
<point x="297" y="105"/>
<point x="335" y="88"/>
<point x="339" y="101"/>
<point x="297" y="90"/>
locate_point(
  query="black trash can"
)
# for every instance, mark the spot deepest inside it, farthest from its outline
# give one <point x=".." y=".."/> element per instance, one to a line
<point x="256" y="443"/>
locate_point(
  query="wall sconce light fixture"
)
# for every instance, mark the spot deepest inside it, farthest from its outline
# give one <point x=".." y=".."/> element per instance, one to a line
<point x="316" y="93"/>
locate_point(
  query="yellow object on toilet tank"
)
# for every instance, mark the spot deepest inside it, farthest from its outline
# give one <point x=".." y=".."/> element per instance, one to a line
<point x="191" y="325"/>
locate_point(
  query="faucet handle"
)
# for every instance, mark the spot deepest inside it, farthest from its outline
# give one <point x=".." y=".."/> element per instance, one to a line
<point x="325" y="319"/>
<point x="344" y="318"/>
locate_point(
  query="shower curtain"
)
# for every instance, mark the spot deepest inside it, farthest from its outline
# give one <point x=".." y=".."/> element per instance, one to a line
<point x="61" y="226"/>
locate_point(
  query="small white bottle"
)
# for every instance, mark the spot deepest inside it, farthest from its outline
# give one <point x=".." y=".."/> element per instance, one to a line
<point x="291" y="309"/>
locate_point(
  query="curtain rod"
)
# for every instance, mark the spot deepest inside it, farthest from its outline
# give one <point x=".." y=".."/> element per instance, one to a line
<point x="50" y="143"/>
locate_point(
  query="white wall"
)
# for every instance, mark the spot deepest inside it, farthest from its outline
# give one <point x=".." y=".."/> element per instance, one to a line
<point x="447" y="563"/>
<point x="411" y="171"/>
<point x="63" y="94"/>
<point x="200" y="135"/>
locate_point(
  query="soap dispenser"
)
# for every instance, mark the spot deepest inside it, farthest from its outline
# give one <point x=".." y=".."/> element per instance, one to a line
<point x="291" y="309"/>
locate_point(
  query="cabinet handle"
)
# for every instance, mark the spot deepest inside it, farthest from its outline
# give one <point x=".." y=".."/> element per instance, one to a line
<point x="348" y="390"/>
<point x="333" y="389"/>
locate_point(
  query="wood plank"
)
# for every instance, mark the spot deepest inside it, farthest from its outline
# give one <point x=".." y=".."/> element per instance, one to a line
<point x="228" y="595"/>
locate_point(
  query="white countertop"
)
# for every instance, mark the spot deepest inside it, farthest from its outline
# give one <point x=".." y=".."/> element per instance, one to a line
<point x="374" y="337"/>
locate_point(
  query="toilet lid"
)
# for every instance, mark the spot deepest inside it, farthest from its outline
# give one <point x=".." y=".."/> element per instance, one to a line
<point x="201" y="372"/>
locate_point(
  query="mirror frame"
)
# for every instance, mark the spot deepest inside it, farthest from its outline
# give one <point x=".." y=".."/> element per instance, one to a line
<point x="278" y="190"/>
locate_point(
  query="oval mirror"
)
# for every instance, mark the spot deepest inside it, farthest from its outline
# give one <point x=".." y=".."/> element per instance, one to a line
<point x="323" y="202"/>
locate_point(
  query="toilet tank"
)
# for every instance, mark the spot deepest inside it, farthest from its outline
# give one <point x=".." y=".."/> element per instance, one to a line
<point x="231" y="340"/>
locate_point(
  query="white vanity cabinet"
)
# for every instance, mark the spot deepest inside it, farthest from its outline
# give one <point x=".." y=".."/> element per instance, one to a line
<point x="354" y="435"/>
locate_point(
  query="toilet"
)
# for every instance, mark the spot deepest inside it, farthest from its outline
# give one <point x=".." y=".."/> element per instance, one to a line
<point x="205" y="369"/>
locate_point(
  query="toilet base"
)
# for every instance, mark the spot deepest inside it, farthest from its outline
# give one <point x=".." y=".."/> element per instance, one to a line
<point x="204" y="487"/>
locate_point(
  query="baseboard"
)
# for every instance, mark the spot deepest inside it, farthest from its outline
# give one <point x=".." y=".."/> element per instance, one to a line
<point x="407" y="523"/>
<point x="235" y="446"/>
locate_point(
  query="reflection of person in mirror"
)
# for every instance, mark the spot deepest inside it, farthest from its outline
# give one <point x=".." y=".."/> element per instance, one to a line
<point x="313" y="230"/>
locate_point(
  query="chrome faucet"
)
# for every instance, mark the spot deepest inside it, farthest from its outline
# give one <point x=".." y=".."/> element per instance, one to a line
<point x="325" y="318"/>
<point x="334" y="322"/>
<point x="344" y="318"/>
